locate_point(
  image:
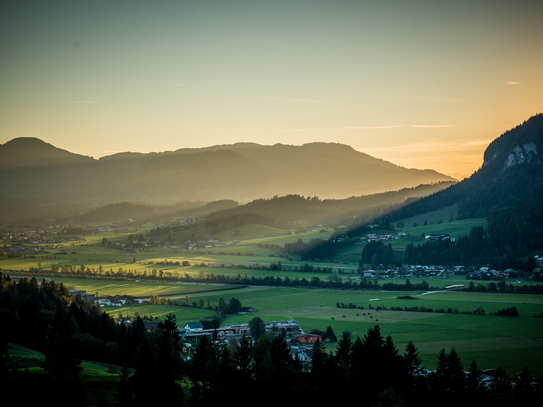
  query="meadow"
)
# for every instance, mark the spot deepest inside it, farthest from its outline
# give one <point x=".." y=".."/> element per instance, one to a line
<point x="510" y="342"/>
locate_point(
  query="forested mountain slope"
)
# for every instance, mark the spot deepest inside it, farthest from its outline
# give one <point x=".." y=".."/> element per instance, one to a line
<point x="508" y="189"/>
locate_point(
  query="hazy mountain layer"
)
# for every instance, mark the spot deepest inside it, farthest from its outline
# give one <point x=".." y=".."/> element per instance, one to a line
<point x="243" y="172"/>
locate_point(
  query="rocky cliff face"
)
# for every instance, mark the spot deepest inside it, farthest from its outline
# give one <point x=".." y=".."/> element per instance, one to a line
<point x="526" y="153"/>
<point x="518" y="146"/>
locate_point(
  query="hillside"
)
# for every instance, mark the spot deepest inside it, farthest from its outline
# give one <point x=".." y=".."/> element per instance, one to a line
<point x="511" y="173"/>
<point x="242" y="172"/>
<point x="507" y="189"/>
<point x="312" y="210"/>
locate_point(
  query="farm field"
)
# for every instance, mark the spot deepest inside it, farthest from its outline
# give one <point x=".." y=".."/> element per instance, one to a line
<point x="91" y="254"/>
<point x="510" y="342"/>
<point x="139" y="288"/>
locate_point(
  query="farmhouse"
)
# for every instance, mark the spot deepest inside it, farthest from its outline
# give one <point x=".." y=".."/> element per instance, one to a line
<point x="193" y="326"/>
<point x="117" y="300"/>
<point x="306" y="338"/>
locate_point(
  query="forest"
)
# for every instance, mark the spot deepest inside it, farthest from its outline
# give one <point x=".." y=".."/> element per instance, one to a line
<point x="67" y="329"/>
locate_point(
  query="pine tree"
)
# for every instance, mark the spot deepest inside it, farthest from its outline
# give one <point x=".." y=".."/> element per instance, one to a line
<point x="243" y="360"/>
<point x="344" y="349"/>
<point x="145" y="377"/>
<point x="411" y="359"/>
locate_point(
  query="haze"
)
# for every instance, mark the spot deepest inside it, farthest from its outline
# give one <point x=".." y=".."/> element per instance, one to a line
<point x="423" y="84"/>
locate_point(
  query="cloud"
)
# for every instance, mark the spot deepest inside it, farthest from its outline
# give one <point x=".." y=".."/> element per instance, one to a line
<point x="423" y="98"/>
<point x="419" y="126"/>
<point x="82" y="101"/>
<point x="371" y="127"/>
<point x="512" y="83"/>
<point x="423" y="126"/>
<point x="431" y="147"/>
<point x="295" y="130"/>
<point x="189" y="85"/>
<point x="295" y="100"/>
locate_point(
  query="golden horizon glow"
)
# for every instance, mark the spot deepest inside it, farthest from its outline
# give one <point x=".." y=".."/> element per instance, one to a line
<point x="423" y="84"/>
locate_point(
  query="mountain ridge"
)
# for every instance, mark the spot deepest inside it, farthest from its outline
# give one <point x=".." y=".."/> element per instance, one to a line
<point x="240" y="171"/>
<point x="507" y="189"/>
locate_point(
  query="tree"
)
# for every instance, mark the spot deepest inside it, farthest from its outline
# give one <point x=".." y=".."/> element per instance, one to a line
<point x="473" y="386"/>
<point x="60" y="351"/>
<point x="126" y="392"/>
<point x="330" y="334"/>
<point x="257" y="328"/>
<point x="318" y="365"/>
<point x="145" y="376"/>
<point x="500" y="389"/>
<point x="234" y="306"/>
<point x="411" y="359"/>
<point x="202" y="370"/>
<point x="169" y="363"/>
<point x="449" y="379"/>
<point x="243" y="360"/>
<point x="344" y="349"/>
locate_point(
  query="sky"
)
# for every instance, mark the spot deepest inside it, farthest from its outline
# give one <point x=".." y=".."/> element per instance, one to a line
<point x="421" y="83"/>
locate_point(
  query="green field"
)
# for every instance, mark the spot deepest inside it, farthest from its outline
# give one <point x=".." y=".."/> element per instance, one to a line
<point x="91" y="254"/>
<point x="510" y="342"/>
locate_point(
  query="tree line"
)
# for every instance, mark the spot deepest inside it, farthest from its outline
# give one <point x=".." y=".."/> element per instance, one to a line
<point x="67" y="329"/>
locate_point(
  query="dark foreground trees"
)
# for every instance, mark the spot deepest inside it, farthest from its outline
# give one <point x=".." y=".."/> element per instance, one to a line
<point x="257" y="373"/>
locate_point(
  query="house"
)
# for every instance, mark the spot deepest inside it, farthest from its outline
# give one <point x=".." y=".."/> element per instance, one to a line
<point x="306" y="338"/>
<point x="152" y="325"/>
<point x="118" y="300"/>
<point x="83" y="294"/>
<point x="194" y="326"/>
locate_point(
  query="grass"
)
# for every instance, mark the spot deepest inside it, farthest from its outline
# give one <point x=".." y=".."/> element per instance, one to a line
<point x="511" y="342"/>
<point x="139" y="289"/>
<point x="487" y="338"/>
<point x="161" y="311"/>
<point x="490" y="340"/>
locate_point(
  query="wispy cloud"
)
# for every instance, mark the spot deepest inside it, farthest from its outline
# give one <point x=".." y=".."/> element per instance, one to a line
<point x="395" y="126"/>
<point x="296" y="130"/>
<point x="512" y="83"/>
<point x="423" y="126"/>
<point x="371" y="127"/>
<point x="422" y="98"/>
<point x="295" y="100"/>
<point x="430" y="147"/>
<point x="82" y="101"/>
<point x="419" y="126"/>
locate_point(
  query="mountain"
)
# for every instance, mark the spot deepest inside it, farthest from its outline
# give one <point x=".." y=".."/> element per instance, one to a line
<point x="312" y="210"/>
<point x="29" y="152"/>
<point x="243" y="172"/>
<point x="511" y="173"/>
<point x="507" y="189"/>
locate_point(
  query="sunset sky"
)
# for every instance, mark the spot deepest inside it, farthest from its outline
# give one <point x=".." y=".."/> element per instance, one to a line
<point x="423" y="84"/>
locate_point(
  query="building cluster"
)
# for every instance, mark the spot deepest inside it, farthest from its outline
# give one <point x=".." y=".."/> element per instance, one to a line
<point x="300" y="342"/>
<point x="439" y="236"/>
<point x="372" y="237"/>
